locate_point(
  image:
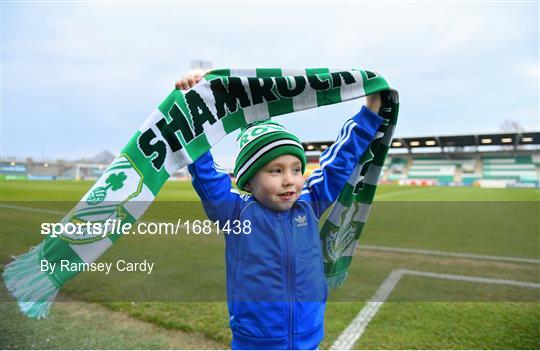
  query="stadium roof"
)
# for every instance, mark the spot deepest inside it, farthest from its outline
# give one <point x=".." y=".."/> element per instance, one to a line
<point x="492" y="139"/>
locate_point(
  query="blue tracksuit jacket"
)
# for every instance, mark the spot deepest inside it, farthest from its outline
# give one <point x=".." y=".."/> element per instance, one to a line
<point x="276" y="289"/>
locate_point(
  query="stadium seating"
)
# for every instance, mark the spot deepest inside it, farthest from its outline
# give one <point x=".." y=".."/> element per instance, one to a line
<point x="466" y="171"/>
<point x="521" y="169"/>
<point x="395" y="168"/>
<point x="441" y="169"/>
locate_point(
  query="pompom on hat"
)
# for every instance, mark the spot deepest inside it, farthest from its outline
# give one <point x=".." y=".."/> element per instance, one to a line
<point x="259" y="144"/>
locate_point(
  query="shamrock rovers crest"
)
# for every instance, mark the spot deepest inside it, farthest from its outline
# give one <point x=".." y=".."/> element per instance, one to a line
<point x="115" y="182"/>
<point x="342" y="237"/>
<point x="120" y="182"/>
<point x="105" y="200"/>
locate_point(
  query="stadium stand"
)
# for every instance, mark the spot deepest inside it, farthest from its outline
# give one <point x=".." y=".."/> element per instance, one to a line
<point x="396" y="168"/>
<point x="491" y="160"/>
<point x="520" y="168"/>
<point x="13" y="170"/>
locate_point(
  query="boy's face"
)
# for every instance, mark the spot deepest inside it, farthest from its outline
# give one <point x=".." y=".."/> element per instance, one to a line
<point x="278" y="184"/>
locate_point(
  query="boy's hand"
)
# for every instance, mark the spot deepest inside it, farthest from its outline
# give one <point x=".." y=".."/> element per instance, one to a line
<point x="374" y="102"/>
<point x="190" y="79"/>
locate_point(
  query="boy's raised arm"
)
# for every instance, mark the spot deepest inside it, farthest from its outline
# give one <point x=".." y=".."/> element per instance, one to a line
<point x="339" y="160"/>
<point x="212" y="183"/>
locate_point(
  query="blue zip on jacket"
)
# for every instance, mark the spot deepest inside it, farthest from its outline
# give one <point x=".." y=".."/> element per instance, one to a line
<point x="276" y="288"/>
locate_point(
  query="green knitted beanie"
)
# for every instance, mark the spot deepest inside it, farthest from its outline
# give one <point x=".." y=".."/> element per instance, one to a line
<point x="259" y="144"/>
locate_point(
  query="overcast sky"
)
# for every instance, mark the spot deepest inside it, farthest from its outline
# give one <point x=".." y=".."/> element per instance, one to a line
<point x="79" y="78"/>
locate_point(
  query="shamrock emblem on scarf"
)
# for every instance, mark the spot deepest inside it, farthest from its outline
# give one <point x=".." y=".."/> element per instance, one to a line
<point x="115" y="181"/>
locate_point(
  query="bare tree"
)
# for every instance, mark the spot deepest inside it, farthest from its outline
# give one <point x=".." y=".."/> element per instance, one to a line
<point x="511" y="126"/>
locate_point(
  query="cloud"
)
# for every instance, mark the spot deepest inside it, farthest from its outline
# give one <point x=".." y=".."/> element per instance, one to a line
<point x="529" y="70"/>
<point x="101" y="66"/>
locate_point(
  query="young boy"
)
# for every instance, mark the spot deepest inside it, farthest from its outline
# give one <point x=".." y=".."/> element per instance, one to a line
<point x="276" y="288"/>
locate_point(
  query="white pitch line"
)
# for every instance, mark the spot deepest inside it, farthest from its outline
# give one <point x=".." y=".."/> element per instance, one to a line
<point x="473" y="279"/>
<point x="449" y="254"/>
<point x="390" y="194"/>
<point x="356" y="328"/>
<point x="31" y="209"/>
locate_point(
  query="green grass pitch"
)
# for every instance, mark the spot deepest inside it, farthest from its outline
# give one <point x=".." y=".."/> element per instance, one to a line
<point x="189" y="279"/>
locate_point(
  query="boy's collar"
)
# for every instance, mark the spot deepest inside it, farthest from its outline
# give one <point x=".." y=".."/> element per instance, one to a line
<point x="286" y="213"/>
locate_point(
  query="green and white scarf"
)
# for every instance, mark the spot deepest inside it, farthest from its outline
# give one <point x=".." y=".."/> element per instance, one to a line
<point x="183" y="127"/>
<point x="347" y="216"/>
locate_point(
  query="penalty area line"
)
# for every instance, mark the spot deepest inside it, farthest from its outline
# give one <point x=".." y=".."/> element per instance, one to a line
<point x="449" y="254"/>
<point x="357" y="327"/>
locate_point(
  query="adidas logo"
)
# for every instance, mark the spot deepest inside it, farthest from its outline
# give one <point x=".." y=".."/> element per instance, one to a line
<point x="300" y="221"/>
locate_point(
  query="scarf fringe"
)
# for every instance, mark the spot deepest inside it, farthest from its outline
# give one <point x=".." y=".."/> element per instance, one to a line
<point x="33" y="289"/>
<point x="337" y="279"/>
